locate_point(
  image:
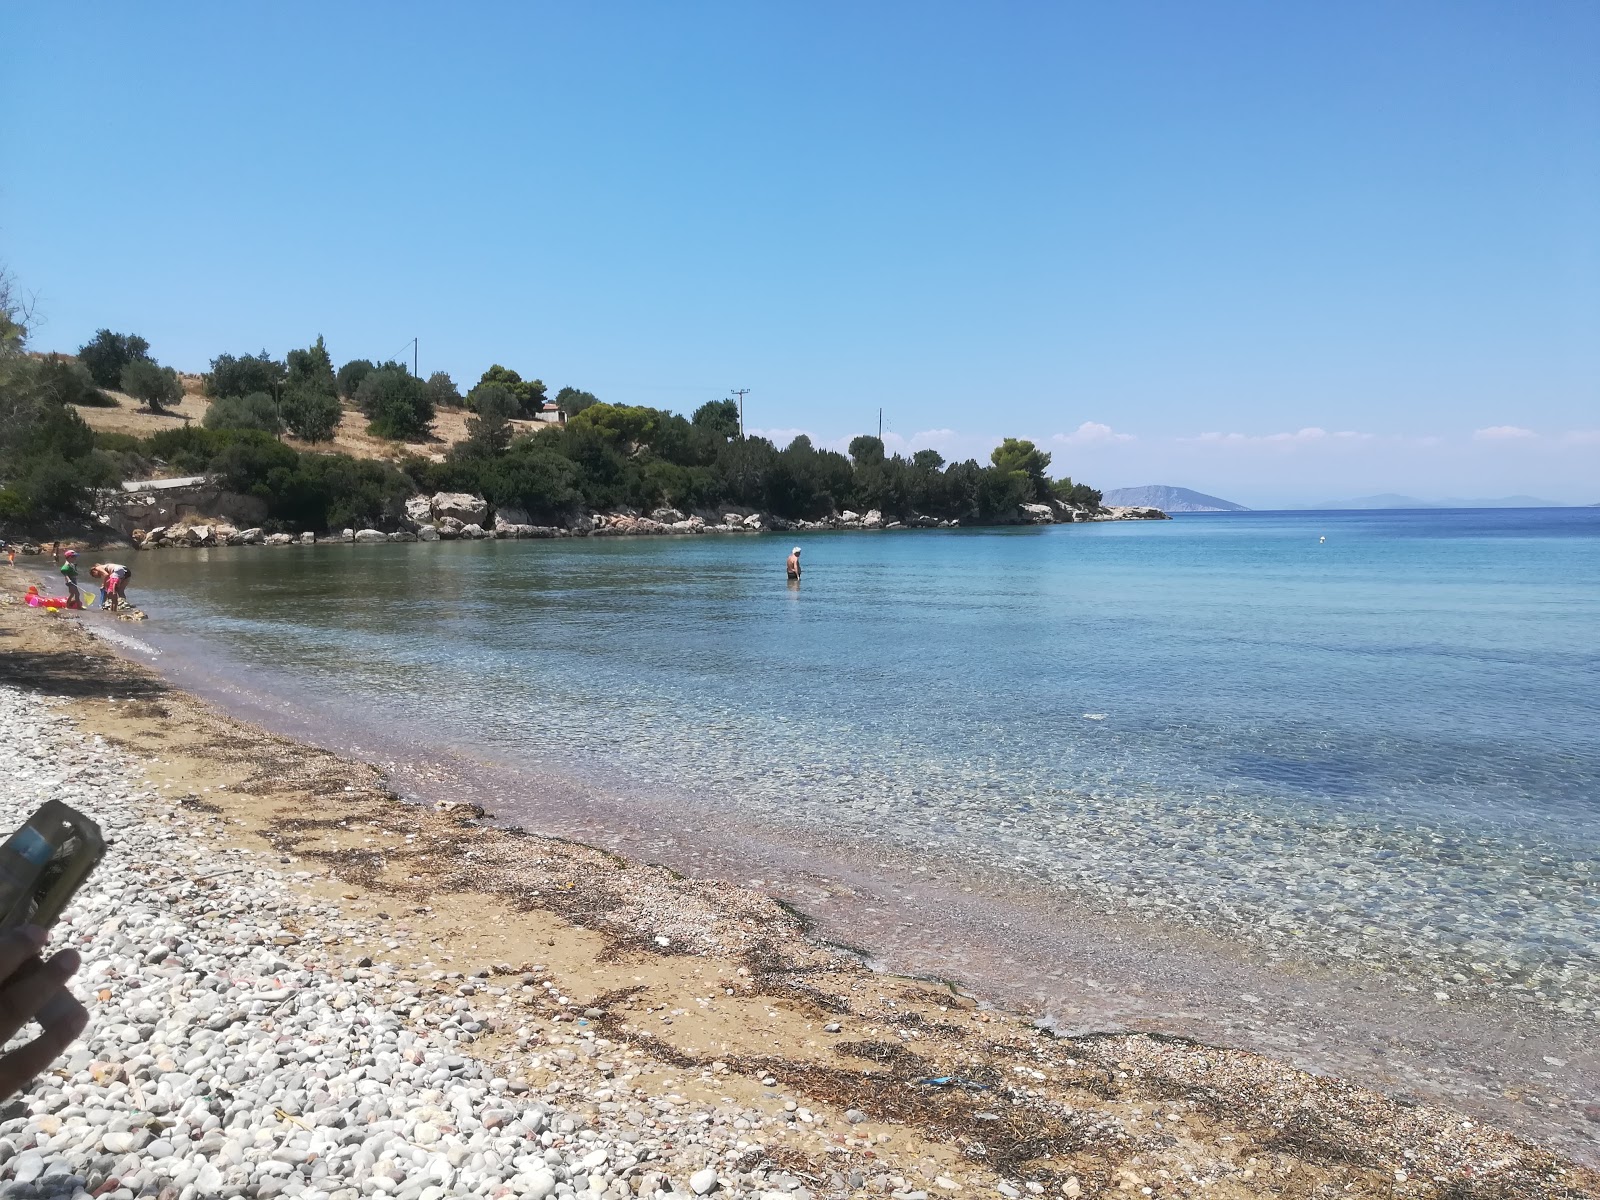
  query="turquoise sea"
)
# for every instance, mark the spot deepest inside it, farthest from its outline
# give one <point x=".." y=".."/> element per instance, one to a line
<point x="1244" y="775"/>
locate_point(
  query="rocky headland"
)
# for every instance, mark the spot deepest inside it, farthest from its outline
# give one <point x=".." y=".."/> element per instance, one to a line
<point x="188" y="516"/>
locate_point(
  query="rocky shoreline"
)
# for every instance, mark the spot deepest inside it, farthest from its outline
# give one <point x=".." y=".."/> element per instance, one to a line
<point x="302" y="986"/>
<point x="451" y="516"/>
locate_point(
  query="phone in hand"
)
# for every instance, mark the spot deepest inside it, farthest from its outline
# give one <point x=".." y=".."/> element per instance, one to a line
<point x="44" y="863"/>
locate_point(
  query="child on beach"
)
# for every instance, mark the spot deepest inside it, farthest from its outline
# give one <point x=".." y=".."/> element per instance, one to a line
<point x="69" y="574"/>
<point x="113" y="584"/>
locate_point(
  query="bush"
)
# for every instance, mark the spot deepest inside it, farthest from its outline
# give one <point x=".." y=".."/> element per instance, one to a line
<point x="573" y="402"/>
<point x="529" y="392"/>
<point x="109" y="353"/>
<point x="721" y="417"/>
<point x="396" y="404"/>
<point x="443" y="392"/>
<point x="312" y="369"/>
<point x="255" y="411"/>
<point x="350" y="376"/>
<point x="155" y="386"/>
<point x="68" y="381"/>
<point x="310" y="414"/>
<point x="244" y="375"/>
<point x="49" y="463"/>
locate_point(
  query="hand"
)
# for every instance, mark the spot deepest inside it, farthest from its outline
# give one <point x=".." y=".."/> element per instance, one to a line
<point x="31" y="989"/>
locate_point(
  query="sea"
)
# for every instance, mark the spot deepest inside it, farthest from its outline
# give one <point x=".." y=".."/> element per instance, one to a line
<point x="1320" y="784"/>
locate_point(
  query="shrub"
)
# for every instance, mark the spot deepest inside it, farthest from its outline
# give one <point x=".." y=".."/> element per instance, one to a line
<point x="443" y="392"/>
<point x="155" y="386"/>
<point x="396" y="404"/>
<point x="529" y="392"/>
<point x="721" y="417"/>
<point x="255" y="411"/>
<point x="108" y="353"/>
<point x="574" y="402"/>
<point x="311" y="369"/>
<point x="310" y="414"/>
<point x="68" y="381"/>
<point x="350" y="376"/>
<point x="244" y="375"/>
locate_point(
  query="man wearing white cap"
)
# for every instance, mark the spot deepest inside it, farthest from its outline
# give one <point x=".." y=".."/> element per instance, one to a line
<point x="793" y="566"/>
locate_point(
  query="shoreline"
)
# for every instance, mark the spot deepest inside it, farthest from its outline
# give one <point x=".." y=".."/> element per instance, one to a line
<point x="1233" y="1103"/>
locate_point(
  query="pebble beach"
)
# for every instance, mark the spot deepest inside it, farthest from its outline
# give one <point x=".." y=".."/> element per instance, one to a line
<point x="300" y="985"/>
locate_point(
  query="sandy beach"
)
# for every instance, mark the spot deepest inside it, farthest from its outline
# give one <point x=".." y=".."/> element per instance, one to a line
<point x="416" y="1004"/>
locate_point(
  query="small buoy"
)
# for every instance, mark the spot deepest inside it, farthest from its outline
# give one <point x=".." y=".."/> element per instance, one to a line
<point x="1322" y="539"/>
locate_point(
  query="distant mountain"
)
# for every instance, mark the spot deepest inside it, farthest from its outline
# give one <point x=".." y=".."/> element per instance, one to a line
<point x="1171" y="499"/>
<point x="1392" y="500"/>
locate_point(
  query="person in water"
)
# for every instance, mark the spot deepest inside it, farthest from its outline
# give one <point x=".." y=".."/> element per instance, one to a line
<point x="792" y="567"/>
<point x="69" y="574"/>
<point x="113" y="579"/>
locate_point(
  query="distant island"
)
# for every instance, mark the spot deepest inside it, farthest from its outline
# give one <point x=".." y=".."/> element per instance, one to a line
<point x="1171" y="499"/>
<point x="1394" y="500"/>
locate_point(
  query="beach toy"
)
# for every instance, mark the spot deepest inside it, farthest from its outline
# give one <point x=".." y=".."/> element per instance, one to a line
<point x="49" y="603"/>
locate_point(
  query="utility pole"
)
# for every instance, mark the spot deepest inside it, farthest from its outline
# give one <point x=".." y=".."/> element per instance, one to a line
<point x="880" y="424"/>
<point x="740" y="392"/>
<point x="414" y="348"/>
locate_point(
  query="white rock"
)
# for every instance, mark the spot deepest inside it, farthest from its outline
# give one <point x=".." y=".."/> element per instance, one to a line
<point x="703" y="1181"/>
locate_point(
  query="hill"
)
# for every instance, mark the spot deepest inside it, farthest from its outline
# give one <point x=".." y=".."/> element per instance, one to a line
<point x="1171" y="499"/>
<point x="125" y="415"/>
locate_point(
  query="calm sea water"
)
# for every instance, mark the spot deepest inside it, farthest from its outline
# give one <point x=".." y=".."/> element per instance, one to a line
<point x="1379" y="752"/>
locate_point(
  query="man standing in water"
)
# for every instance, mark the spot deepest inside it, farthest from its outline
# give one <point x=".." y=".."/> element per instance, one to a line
<point x="793" y="565"/>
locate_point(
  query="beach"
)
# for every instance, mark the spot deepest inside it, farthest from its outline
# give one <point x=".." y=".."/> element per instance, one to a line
<point x="518" y="997"/>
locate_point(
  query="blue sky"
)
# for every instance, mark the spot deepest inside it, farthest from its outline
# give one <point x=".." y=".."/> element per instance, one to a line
<point x="1277" y="252"/>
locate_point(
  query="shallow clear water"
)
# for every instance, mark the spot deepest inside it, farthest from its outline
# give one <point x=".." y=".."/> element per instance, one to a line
<point x="1379" y="752"/>
<point x="1382" y="746"/>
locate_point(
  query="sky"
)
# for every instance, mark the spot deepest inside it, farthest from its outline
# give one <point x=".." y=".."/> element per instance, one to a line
<point x="1278" y="253"/>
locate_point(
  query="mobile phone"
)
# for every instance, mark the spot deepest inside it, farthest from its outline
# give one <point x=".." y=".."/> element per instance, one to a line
<point x="43" y="864"/>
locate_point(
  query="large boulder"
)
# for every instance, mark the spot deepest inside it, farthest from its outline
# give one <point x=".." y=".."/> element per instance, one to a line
<point x="753" y="521"/>
<point x="1038" y="514"/>
<point x="427" y="534"/>
<point x="371" y="535"/>
<point x="873" y="520"/>
<point x="462" y="506"/>
<point x="849" y="518"/>
<point x="308" y="538"/>
<point x="473" y="531"/>
<point x="511" y="516"/>
<point x="276" y="539"/>
<point x="200" y="535"/>
<point x="419" y="510"/>
<point x="245" y="537"/>
<point x="404" y="535"/>
<point x="667" y="516"/>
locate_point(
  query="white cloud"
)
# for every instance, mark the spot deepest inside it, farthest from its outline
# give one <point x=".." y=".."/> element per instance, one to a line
<point x="1091" y="433"/>
<point x="1310" y="436"/>
<point x="1503" y="433"/>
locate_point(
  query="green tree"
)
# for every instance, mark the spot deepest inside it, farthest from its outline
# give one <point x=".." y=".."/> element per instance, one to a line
<point x="108" y="353"/>
<point x="866" y="450"/>
<point x="490" y="431"/>
<point x="573" y="402"/>
<point x="530" y="393"/>
<point x="443" y="391"/>
<point x="244" y="375"/>
<point x="1020" y="456"/>
<point x="1079" y="495"/>
<point x="155" y="386"/>
<point x="624" y="425"/>
<point x="351" y="374"/>
<point x="720" y="417"/>
<point x="311" y="369"/>
<point x="49" y="465"/>
<point x="396" y="404"/>
<point x="310" y="414"/>
<point x="255" y="411"/>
